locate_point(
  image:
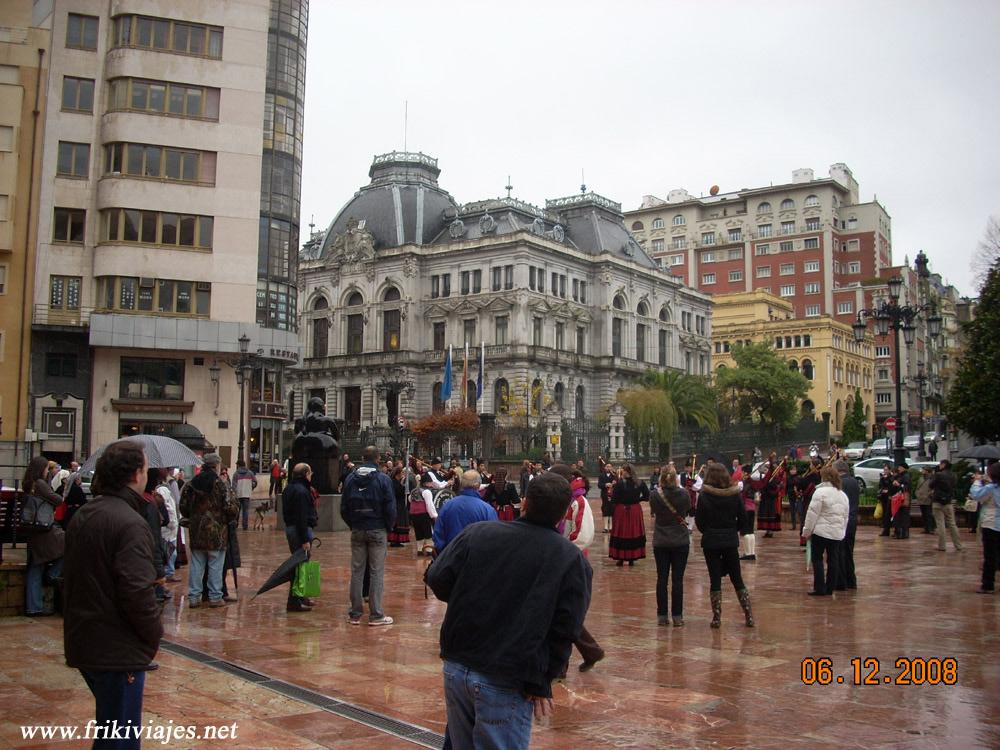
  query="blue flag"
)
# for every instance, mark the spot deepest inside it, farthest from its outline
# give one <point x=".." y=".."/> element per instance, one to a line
<point x="482" y="366"/>
<point x="446" y="385"/>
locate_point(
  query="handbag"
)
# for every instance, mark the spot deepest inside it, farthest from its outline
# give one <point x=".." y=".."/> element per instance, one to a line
<point x="971" y="505"/>
<point x="306" y="583"/>
<point x="37" y="516"/>
<point x="879" y="511"/>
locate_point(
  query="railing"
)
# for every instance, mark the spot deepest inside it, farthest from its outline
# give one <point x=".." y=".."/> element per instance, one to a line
<point x="406" y="156"/>
<point x="43" y="315"/>
<point x="591" y="197"/>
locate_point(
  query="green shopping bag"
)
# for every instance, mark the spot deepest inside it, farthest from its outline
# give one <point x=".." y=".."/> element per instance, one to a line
<point x="306" y="581"/>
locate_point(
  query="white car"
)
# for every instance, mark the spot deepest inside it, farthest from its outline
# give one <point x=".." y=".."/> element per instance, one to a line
<point x="856" y="451"/>
<point x="911" y="442"/>
<point x="881" y="447"/>
<point x="867" y="472"/>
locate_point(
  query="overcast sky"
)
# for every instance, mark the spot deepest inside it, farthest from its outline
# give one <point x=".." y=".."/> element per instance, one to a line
<point x="646" y="96"/>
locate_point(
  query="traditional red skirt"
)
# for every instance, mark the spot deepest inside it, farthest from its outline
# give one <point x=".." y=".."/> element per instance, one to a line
<point x="505" y="512"/>
<point x="628" y="533"/>
<point x="769" y="514"/>
<point x="399" y="535"/>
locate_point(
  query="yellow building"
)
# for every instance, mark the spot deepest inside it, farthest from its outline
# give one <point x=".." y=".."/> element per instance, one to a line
<point x="23" y="72"/>
<point x="822" y="349"/>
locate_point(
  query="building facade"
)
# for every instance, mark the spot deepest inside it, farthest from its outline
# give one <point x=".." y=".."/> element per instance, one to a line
<point x="803" y="241"/>
<point x="23" y="72"/>
<point x="822" y="349"/>
<point x="569" y="307"/>
<point x="151" y="205"/>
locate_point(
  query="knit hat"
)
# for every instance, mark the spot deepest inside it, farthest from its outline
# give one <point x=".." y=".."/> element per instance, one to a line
<point x="211" y="459"/>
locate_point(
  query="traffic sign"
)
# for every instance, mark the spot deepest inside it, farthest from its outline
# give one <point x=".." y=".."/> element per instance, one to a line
<point x="890" y="423"/>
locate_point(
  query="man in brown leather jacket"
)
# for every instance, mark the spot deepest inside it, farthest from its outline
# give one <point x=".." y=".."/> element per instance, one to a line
<point x="112" y="626"/>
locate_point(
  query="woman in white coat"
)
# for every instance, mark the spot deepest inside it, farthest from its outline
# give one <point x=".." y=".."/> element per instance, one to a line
<point x="826" y="527"/>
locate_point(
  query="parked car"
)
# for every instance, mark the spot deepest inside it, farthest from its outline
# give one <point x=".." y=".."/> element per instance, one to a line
<point x="911" y="442"/>
<point x="880" y="447"/>
<point x="856" y="451"/>
<point x="867" y="472"/>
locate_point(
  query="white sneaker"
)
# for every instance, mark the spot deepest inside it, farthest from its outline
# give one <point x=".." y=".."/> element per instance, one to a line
<point x="380" y="621"/>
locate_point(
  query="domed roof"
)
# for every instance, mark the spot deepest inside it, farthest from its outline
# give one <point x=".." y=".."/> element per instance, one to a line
<point x="401" y="205"/>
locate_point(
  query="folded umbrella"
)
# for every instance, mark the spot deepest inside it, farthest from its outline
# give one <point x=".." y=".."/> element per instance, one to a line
<point x="162" y="452"/>
<point x="285" y="572"/>
<point x="898" y="501"/>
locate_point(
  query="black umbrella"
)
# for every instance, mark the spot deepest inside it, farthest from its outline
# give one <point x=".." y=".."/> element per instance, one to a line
<point x="981" y="453"/>
<point x="286" y="571"/>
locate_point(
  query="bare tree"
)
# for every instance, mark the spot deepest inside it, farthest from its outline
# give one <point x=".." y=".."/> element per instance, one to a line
<point x="987" y="253"/>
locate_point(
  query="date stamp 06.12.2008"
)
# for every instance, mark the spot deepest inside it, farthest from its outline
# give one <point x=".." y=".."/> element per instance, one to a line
<point x="870" y="671"/>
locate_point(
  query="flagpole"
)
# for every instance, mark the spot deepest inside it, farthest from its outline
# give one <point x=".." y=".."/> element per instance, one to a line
<point x="465" y="378"/>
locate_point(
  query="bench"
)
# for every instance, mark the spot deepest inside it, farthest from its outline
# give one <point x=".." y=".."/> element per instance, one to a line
<point x="11" y="502"/>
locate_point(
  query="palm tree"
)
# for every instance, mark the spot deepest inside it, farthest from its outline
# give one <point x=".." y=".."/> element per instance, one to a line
<point x="690" y="396"/>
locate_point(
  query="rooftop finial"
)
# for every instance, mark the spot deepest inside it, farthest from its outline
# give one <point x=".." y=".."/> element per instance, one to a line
<point x="583" y="183"/>
<point x="312" y="224"/>
<point x="508" y="187"/>
<point x="406" y="118"/>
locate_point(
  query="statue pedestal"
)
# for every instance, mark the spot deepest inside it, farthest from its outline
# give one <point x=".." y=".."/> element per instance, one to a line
<point x="329" y="514"/>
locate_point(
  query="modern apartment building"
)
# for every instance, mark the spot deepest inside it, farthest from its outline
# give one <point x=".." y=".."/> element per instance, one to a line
<point x="152" y="254"/>
<point x="809" y="241"/>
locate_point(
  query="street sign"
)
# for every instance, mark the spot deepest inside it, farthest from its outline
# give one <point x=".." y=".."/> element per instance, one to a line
<point x="890" y="423"/>
<point x="554" y="439"/>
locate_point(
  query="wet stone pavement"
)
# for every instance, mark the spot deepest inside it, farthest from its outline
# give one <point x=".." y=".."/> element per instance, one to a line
<point x="312" y="681"/>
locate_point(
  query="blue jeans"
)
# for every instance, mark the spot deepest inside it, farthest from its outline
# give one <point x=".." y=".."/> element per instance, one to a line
<point x="245" y="512"/>
<point x="215" y="561"/>
<point x="34" y="597"/>
<point x="118" y="696"/>
<point x="170" y="566"/>
<point x="484" y="712"/>
<point x="368" y="547"/>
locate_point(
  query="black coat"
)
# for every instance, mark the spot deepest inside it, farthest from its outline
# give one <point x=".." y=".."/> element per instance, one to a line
<point x="297" y="508"/>
<point x="521" y="626"/>
<point x="852" y="489"/>
<point x="629" y="493"/>
<point x="942" y="484"/>
<point x="720" y="517"/>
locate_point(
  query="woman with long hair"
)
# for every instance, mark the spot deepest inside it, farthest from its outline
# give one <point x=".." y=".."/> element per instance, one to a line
<point x="885" y="498"/>
<point x="502" y="495"/>
<point x="825" y="527"/>
<point x="45" y="549"/>
<point x="670" y="505"/>
<point x="628" y="533"/>
<point x="400" y="533"/>
<point x="721" y="517"/>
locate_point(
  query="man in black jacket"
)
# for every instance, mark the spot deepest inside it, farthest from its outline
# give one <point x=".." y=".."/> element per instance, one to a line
<point x="851" y="488"/>
<point x="526" y="575"/>
<point x="112" y="625"/>
<point x="942" y="484"/>
<point x="299" y="514"/>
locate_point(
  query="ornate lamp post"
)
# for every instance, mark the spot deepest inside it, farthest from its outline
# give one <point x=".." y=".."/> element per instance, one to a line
<point x="889" y="314"/>
<point x="243" y="368"/>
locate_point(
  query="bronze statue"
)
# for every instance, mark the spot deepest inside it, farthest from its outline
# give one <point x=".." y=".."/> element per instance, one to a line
<point x="317" y="443"/>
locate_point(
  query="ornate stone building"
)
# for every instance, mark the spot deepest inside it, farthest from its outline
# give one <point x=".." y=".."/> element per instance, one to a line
<point x="563" y="298"/>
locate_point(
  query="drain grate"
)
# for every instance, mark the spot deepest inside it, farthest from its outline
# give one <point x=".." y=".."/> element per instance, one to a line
<point x="401" y="729"/>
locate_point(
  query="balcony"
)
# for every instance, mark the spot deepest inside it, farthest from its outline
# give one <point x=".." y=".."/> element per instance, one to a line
<point x="44" y="316"/>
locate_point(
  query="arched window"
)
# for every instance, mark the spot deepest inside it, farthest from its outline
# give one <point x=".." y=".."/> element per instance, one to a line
<point x="501" y="397"/>
<point x="579" y="402"/>
<point x="437" y="405"/>
<point x="559" y="395"/>
<point x="355" y="299"/>
<point x="657" y="223"/>
<point x="643" y="309"/>
<point x="679" y="220"/>
<point x="764" y="208"/>
<point x="637" y="226"/>
<point x="811" y="201"/>
<point x="391" y="294"/>
<point x="391" y="330"/>
<point x="665" y="314"/>
<point x="807" y="369"/>
<point x="321" y="304"/>
<point x="536" y="397"/>
<point x="321" y="337"/>
<point x="619" y="303"/>
<point x="793" y="365"/>
<point x="470" y="394"/>
<point x="808" y="409"/>
<point x="787" y="205"/>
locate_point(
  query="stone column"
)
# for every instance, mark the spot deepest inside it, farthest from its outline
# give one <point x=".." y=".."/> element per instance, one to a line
<point x="616" y="430"/>
<point x="553" y="430"/>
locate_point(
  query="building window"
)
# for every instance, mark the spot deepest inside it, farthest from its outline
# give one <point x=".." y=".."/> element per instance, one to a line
<point x="576" y="290"/>
<point x="807" y="369"/>
<point x="708" y="278"/>
<point x="679" y="243"/>
<point x="852" y="246"/>
<point x="657" y="246"/>
<point x="4" y="267"/>
<point x="854" y="267"/>
<point x="788" y="227"/>
<point x="883" y="398"/>
<point x="531" y="278"/>
<point x="845" y="308"/>
<point x="812" y="288"/>
<point x="165" y="35"/>
<point x="155" y="228"/>
<point x="500" y="330"/>
<point x="881" y="352"/>
<point x="811" y="266"/>
<point x="640" y="342"/>
<point x="811" y="243"/>
<point x="788" y="205"/>
<point x="465" y="277"/>
<point x="439" y="331"/>
<point x="637" y="226"/>
<point x="679" y="220"/>
<point x="763" y="230"/>
<point x="657" y="224"/>
<point x="78" y="94"/>
<point x="74" y="159"/>
<point x="469" y="332"/>
<point x="536" y="331"/>
<point x="699" y="324"/>
<point x="676" y="260"/>
<point x="787" y="269"/>
<point x="445" y="285"/>
<point x="171" y="296"/>
<point x="735" y="235"/>
<point x="811" y="201"/>
<point x="763" y="272"/>
<point x="882" y="373"/>
<point x="64" y="292"/>
<point x="736" y="276"/>
<point x="81" y="32"/>
<point x="560" y="336"/>
<point x="812" y="311"/>
<point x="785" y="247"/>
<point x="435" y="287"/>
<point x="708" y="238"/>
<point x="762" y="249"/>
<point x="68" y="225"/>
<point x="163" y="98"/>
<point x="617" y="326"/>
<point x="554" y="287"/>
<point x="735" y="254"/>
<point x="807" y="340"/>
<point x="581" y="340"/>
<point x="812" y="225"/>
<point x="501" y="396"/>
<point x="764" y="208"/>
<point x="160" y="162"/>
<point x="663" y="347"/>
<point x="161" y="379"/>
<point x="60" y="365"/>
<point x="708" y="257"/>
<point x="496" y="274"/>
<point x="852" y="223"/>
<point x="391" y="330"/>
<point x="787" y="290"/>
<point x="508" y="277"/>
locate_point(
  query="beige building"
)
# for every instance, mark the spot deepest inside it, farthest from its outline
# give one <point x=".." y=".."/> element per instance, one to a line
<point x="822" y="349"/>
<point x="150" y="214"/>
<point x="23" y="63"/>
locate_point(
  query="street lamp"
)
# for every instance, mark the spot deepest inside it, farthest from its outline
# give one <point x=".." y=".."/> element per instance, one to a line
<point x="243" y="368"/>
<point x="891" y="314"/>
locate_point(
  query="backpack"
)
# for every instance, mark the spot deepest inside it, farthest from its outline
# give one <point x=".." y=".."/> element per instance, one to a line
<point x="363" y="494"/>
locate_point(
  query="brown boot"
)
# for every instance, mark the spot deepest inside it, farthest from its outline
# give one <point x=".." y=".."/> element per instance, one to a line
<point x="716" y="597"/>
<point x="744" y="597"/>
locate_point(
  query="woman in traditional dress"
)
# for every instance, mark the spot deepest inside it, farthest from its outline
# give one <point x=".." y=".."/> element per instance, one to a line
<point x="769" y="510"/>
<point x="606" y="484"/>
<point x="400" y="533"/>
<point x="628" y="533"/>
<point x="502" y="495"/>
